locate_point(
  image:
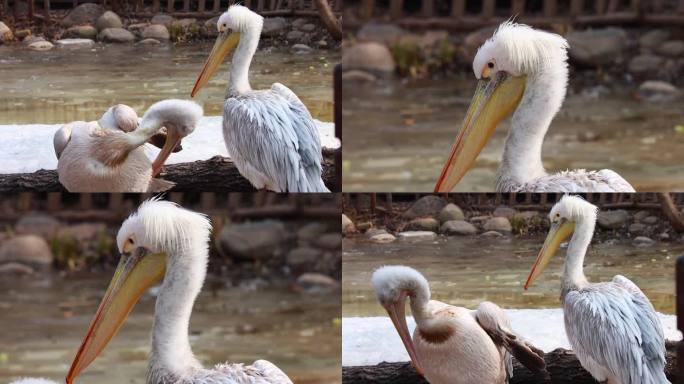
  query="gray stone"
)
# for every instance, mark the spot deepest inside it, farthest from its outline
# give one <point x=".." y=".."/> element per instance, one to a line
<point x="371" y="57"/>
<point x="156" y="31"/>
<point x="311" y="231"/>
<point x="656" y="90"/>
<point x="417" y="235"/>
<point x="149" y="41"/>
<point x="299" y="22"/>
<point x="423" y="224"/>
<point x="643" y="241"/>
<point x="162" y="19"/>
<point x="81" y="32"/>
<point x="492" y="234"/>
<point x="83" y="233"/>
<point x="458" y="227"/>
<point x="41" y="45"/>
<point x="37" y="224"/>
<point x="116" y="35"/>
<point x="673" y="48"/>
<point x="450" y="212"/>
<point x="303" y="255"/>
<point x="294" y="35"/>
<point x="499" y="224"/>
<point x="429" y="205"/>
<point x="301" y="49"/>
<point x="6" y="34"/>
<point x="650" y="220"/>
<point x="15" y="269"/>
<point x="22" y="33"/>
<point x="251" y="241"/>
<point x="27" y="249"/>
<point x="374" y="231"/>
<point x="596" y="47"/>
<point x="330" y="241"/>
<point x="382" y="238"/>
<point x="347" y="225"/>
<point x="363" y="226"/>
<point x="308" y="28"/>
<point x="28" y="40"/>
<point x="316" y="283"/>
<point x="506" y="212"/>
<point x="645" y="63"/>
<point x="274" y="26"/>
<point x="75" y="43"/>
<point x="637" y="229"/>
<point x="108" y="19"/>
<point x="652" y="39"/>
<point x="386" y="34"/>
<point x="613" y="219"/>
<point x="641" y="215"/>
<point x="86" y="13"/>
<point x="356" y="75"/>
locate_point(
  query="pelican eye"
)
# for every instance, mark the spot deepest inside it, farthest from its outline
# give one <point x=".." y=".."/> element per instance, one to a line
<point x="490" y="64"/>
<point x="487" y="69"/>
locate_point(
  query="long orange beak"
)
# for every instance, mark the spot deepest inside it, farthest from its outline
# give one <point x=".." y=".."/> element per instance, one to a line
<point x="135" y="273"/>
<point x="172" y="140"/>
<point x="225" y="42"/>
<point x="397" y="314"/>
<point x="558" y="232"/>
<point x="493" y="100"/>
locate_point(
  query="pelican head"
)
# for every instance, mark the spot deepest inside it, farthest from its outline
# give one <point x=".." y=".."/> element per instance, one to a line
<point x="502" y="65"/>
<point x="392" y="285"/>
<point x="151" y="241"/>
<point x="564" y="216"/>
<point x="233" y="25"/>
<point x="120" y="117"/>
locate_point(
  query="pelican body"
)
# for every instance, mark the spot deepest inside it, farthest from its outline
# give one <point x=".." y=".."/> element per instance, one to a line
<point x="523" y="70"/>
<point x="270" y="134"/>
<point x="108" y="155"/>
<point x="612" y="326"/>
<point x="452" y="345"/>
<point x="163" y="242"/>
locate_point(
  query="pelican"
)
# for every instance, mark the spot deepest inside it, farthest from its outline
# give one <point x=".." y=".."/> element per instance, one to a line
<point x="162" y="241"/>
<point x="108" y="155"/>
<point x="612" y="326"/>
<point x="452" y="345"/>
<point x="270" y="134"/>
<point x="523" y="69"/>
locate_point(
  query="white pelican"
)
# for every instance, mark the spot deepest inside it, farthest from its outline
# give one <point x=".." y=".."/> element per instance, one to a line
<point x="270" y="133"/>
<point x="612" y="326"/>
<point x="452" y="345"/>
<point x="108" y="155"/>
<point x="32" y="380"/>
<point x="164" y="242"/>
<point x="523" y="69"/>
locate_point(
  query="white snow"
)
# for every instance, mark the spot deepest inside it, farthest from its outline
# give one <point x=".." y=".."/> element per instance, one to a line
<point x="28" y="147"/>
<point x="372" y="340"/>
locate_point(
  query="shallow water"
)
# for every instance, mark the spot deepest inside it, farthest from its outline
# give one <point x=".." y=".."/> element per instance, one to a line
<point x="397" y="137"/>
<point x="63" y="85"/>
<point x="467" y="270"/>
<point x="43" y="320"/>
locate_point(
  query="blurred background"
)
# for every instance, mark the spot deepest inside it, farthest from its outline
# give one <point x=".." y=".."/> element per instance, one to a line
<point x="272" y="290"/>
<point x="409" y="79"/>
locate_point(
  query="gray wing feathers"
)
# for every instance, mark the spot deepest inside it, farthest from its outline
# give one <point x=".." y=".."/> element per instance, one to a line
<point x="615" y="325"/>
<point x="272" y="372"/>
<point x="575" y="181"/>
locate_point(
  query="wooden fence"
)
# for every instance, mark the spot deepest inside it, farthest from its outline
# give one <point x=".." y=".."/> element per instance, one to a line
<point x="470" y="14"/>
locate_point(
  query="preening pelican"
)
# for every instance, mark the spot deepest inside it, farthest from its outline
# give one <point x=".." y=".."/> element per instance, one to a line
<point x="523" y="69"/>
<point x="164" y="242"/>
<point x="108" y="155"/>
<point x="270" y="134"/>
<point x="612" y="326"/>
<point x="452" y="345"/>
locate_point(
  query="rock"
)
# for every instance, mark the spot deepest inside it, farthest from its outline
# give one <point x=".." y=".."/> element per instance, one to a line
<point x="6" y="34"/>
<point x="311" y="231"/>
<point x="370" y="57"/>
<point x="479" y="220"/>
<point x="28" y="40"/>
<point x="294" y="35"/>
<point x="637" y="229"/>
<point x="81" y="32"/>
<point x="149" y="41"/>
<point x="316" y="283"/>
<point x="450" y="212"/>
<point x="595" y="47"/>
<point x="156" y="31"/>
<point x="363" y="226"/>
<point x="75" y="43"/>
<point x="31" y="250"/>
<point x="506" y="212"/>
<point x="298" y="22"/>
<point x="499" y="224"/>
<point x="86" y="13"/>
<point x="347" y="225"/>
<point x="643" y="241"/>
<point x="423" y="224"/>
<point x="330" y="241"/>
<point x="491" y="234"/>
<point x="656" y="90"/>
<point x="163" y="19"/>
<point x="108" y="19"/>
<point x="673" y="48"/>
<point x="116" y="35"/>
<point x="429" y="205"/>
<point x="650" y="220"/>
<point x="641" y="215"/>
<point x="613" y="219"/>
<point x="382" y="238"/>
<point x="652" y="39"/>
<point x="41" y="45"/>
<point x="138" y="28"/>
<point x="15" y="269"/>
<point x="308" y="27"/>
<point x="526" y="215"/>
<point x="303" y="255"/>
<point x="301" y="49"/>
<point x="359" y="76"/>
<point x="417" y="235"/>
<point x="37" y="224"/>
<point x="458" y="227"/>
<point x="273" y="26"/>
<point x="251" y="241"/>
<point x="374" y="231"/>
<point x="645" y="63"/>
<point x="82" y="233"/>
<point x="22" y="33"/>
<point x="386" y="34"/>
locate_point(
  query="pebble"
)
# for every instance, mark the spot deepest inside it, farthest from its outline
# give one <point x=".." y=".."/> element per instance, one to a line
<point x="458" y="227"/>
<point x="75" y="43"/>
<point x="492" y="234"/>
<point x="451" y="212"/>
<point x="613" y="219"/>
<point x="301" y="49"/>
<point x="41" y="45"/>
<point x="382" y="238"/>
<point x="423" y="224"/>
<point x="499" y="224"/>
<point x="643" y="241"/>
<point x="417" y="235"/>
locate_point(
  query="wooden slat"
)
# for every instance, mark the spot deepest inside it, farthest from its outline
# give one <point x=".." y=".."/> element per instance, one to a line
<point x="260" y="5"/>
<point x="396" y="9"/>
<point x="186" y="5"/>
<point x="600" y="7"/>
<point x="488" y="8"/>
<point x="457" y="8"/>
<point x="550" y="8"/>
<point x="367" y="7"/>
<point x="635" y="5"/>
<point x="46" y="10"/>
<point x="155" y="6"/>
<point x="576" y="7"/>
<point x="680" y="8"/>
<point x="169" y="6"/>
<point x="31" y="9"/>
<point x="658" y="6"/>
<point x="428" y="8"/>
<point x="217" y="6"/>
<point x="201" y="4"/>
<point x="517" y="8"/>
<point x="613" y="6"/>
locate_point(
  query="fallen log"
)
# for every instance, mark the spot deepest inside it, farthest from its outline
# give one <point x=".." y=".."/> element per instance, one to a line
<point x="217" y="174"/>
<point x="562" y="366"/>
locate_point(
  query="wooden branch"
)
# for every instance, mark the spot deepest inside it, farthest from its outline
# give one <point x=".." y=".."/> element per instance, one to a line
<point x="217" y="174"/>
<point x="562" y="366"/>
<point x="671" y="211"/>
<point x="329" y="19"/>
